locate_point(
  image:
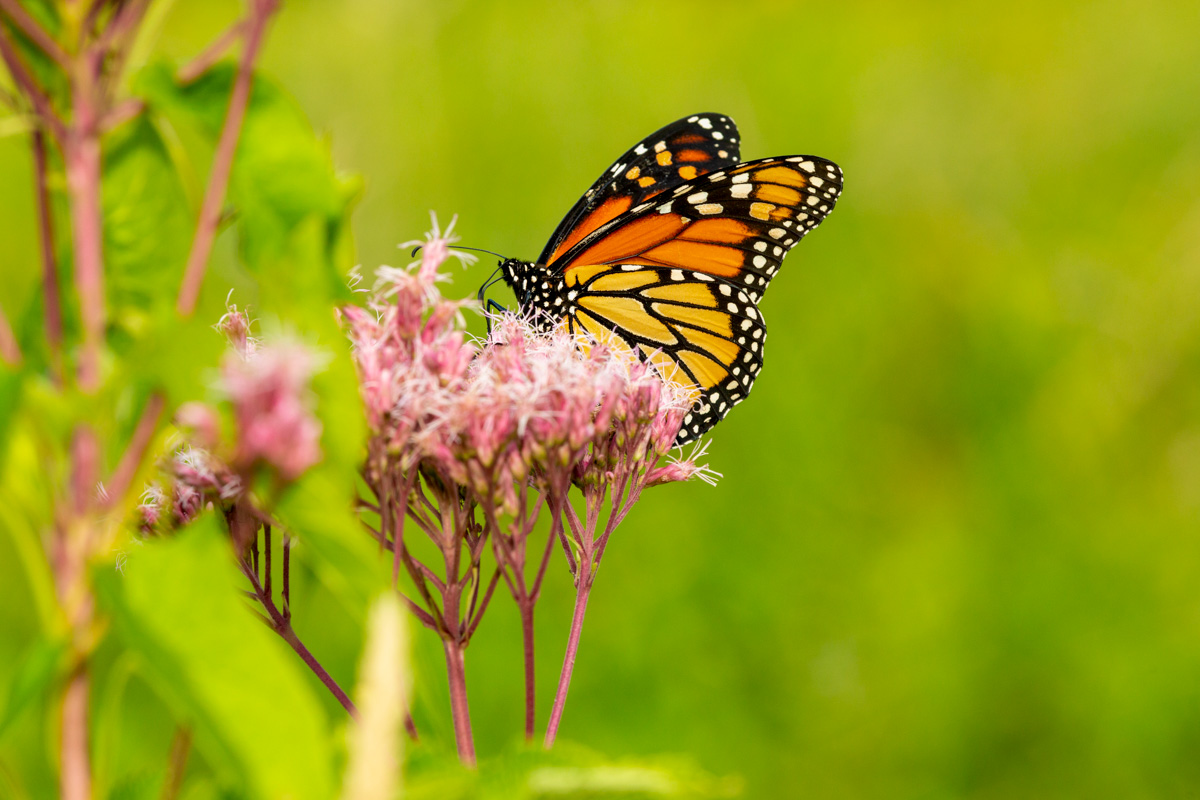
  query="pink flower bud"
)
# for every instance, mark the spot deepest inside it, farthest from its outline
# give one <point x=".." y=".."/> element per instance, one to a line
<point x="272" y="409"/>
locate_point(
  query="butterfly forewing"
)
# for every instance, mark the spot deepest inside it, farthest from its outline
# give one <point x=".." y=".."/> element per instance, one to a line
<point x="682" y="151"/>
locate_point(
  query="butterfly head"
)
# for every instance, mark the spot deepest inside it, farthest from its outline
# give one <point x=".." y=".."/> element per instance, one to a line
<point x="525" y="278"/>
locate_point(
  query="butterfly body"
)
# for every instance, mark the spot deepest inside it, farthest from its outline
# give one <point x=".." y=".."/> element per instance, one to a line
<point x="670" y="252"/>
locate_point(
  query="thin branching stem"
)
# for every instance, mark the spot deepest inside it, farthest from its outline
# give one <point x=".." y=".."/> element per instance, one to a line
<point x="10" y="351"/>
<point x="28" y="86"/>
<point x="282" y="625"/>
<point x="210" y="55"/>
<point x="181" y="746"/>
<point x="27" y="25"/>
<point x="218" y="179"/>
<point x="135" y="452"/>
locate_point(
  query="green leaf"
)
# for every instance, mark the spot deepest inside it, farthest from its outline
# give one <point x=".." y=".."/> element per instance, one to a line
<point x="26" y="486"/>
<point x="147" y="222"/>
<point x="39" y="667"/>
<point x="176" y="355"/>
<point x="283" y="174"/>
<point x="319" y="511"/>
<point x="256" y="719"/>
<point x="12" y="382"/>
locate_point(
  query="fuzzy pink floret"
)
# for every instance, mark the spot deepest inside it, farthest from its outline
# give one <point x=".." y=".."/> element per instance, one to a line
<point x="524" y="402"/>
<point x="269" y="391"/>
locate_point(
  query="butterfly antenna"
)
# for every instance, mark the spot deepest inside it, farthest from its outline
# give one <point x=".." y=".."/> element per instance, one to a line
<point x="417" y="249"/>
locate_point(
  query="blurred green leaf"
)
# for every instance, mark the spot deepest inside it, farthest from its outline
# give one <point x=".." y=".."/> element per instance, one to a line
<point x="12" y="382"/>
<point x="282" y="173"/>
<point x="26" y="510"/>
<point x="145" y="786"/>
<point x="176" y="355"/>
<point x="39" y="667"/>
<point x="147" y="222"/>
<point x="318" y="510"/>
<point x="255" y="717"/>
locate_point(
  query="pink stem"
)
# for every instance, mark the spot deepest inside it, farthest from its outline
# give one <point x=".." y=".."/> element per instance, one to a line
<point x="564" y="679"/>
<point x="211" y="54"/>
<point x="526" y="608"/>
<point x="307" y="657"/>
<point x="26" y="83"/>
<point x="135" y="453"/>
<point x="36" y="33"/>
<point x="10" y="351"/>
<point x="282" y="625"/>
<point x="71" y="548"/>
<point x="181" y="746"/>
<point x="82" y="155"/>
<point x="222" y="166"/>
<point x="459" y="709"/>
<point x="76" y="771"/>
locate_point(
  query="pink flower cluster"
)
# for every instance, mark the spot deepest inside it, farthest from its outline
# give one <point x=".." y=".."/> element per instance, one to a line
<point x="272" y="409"/>
<point x="267" y="386"/>
<point x="523" y="404"/>
<point x="195" y="478"/>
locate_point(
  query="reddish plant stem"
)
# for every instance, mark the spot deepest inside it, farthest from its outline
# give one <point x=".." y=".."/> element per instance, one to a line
<point x="286" y="594"/>
<point x="52" y="294"/>
<point x="291" y="638"/>
<point x="81" y="151"/>
<point x="116" y="40"/>
<point x="267" y="559"/>
<point x="135" y="453"/>
<point x="222" y="166"/>
<point x="122" y="112"/>
<point x="211" y="54"/>
<point x="35" y="32"/>
<point x="459" y="709"/>
<point x="564" y="680"/>
<point x="282" y="625"/>
<point x="525" y="605"/>
<point x="10" y="351"/>
<point x="26" y="83"/>
<point x="181" y="746"/>
<point x="555" y="531"/>
<point x="476" y="615"/>
<point x="71" y="549"/>
<point x="76" y="769"/>
<point x="526" y="609"/>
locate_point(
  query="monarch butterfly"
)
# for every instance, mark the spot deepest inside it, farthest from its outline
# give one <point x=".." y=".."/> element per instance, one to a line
<point x="670" y="250"/>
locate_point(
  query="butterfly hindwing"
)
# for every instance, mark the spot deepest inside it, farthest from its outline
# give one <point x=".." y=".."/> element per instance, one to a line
<point x="696" y="328"/>
<point x="681" y="151"/>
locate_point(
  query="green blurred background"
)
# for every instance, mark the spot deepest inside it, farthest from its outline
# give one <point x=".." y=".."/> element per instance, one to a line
<point x="956" y="550"/>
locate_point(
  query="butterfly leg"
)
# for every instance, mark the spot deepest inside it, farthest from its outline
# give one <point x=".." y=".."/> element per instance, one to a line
<point x="487" y="312"/>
